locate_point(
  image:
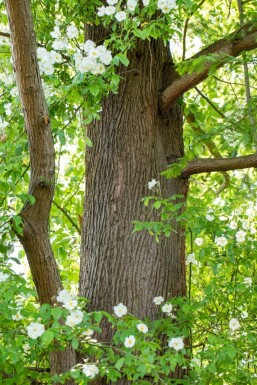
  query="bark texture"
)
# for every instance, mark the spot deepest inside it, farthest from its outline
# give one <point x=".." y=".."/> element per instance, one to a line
<point x="133" y="143"/>
<point x="35" y="237"/>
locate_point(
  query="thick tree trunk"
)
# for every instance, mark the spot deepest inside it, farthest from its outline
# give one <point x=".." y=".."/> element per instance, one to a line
<point x="133" y="142"/>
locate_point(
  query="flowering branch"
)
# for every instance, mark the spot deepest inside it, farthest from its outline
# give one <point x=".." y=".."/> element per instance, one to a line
<point x="242" y="40"/>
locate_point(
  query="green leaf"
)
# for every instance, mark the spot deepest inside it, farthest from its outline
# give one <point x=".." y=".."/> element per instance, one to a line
<point x="47" y="337"/>
<point x="123" y="59"/>
<point x="119" y="363"/>
<point x="75" y="343"/>
<point x="57" y="313"/>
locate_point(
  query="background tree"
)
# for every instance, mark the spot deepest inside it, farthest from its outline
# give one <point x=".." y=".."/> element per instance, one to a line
<point x="139" y="135"/>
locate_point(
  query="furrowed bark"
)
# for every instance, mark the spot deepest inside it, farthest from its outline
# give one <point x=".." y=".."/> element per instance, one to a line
<point x="240" y="41"/>
<point x="198" y="166"/>
<point x="35" y="237"/>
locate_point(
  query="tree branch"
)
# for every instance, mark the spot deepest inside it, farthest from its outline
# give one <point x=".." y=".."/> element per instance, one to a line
<point x="242" y="40"/>
<point x="198" y="166"/>
<point x="35" y="237"/>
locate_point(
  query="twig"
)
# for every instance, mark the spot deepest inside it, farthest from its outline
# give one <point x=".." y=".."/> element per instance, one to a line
<point x="67" y="216"/>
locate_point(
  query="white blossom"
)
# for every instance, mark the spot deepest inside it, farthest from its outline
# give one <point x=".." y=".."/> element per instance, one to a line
<point x="17" y="316"/>
<point x="110" y="10"/>
<point x="142" y="328"/>
<point x="88" y="332"/>
<point x="120" y="310"/>
<point x="72" y="31"/>
<point x="248" y="281"/>
<point x="70" y="304"/>
<point x="101" y="11"/>
<point x="191" y="259"/>
<point x="158" y="300"/>
<point x="74" y="318"/>
<point x="234" y="324"/>
<point x="129" y="342"/>
<point x="112" y="2"/>
<point x="88" y="45"/>
<point x="35" y="330"/>
<point x="167" y="308"/>
<point x="233" y="225"/>
<point x="176" y="343"/>
<point x="210" y="217"/>
<point x="152" y="184"/>
<point x="120" y="16"/>
<point x="199" y="241"/>
<point x="131" y="5"/>
<point x="56" y="33"/>
<point x="90" y="370"/>
<point x="240" y="236"/>
<point x="146" y="2"/>
<point x="65" y="296"/>
<point x="221" y="241"/>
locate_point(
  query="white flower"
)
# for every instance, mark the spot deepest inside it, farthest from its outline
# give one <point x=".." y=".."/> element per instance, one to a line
<point x="146" y="2"/>
<point x="167" y="308"/>
<point x="240" y="236"/>
<point x="120" y="16"/>
<point x="120" y="310"/>
<point x="233" y="225"/>
<point x="158" y="300"/>
<point x="234" y="324"/>
<point x="252" y="230"/>
<point x="221" y="241"/>
<point x="72" y="31"/>
<point x="35" y="330"/>
<point x="152" y="184"/>
<point x="98" y="69"/>
<point x="59" y="44"/>
<point x="142" y="328"/>
<point x="176" y="343"/>
<point x="56" y="33"/>
<point x="199" y="241"/>
<point x="70" y="304"/>
<point x="106" y="57"/>
<point x="90" y="370"/>
<point x="3" y="276"/>
<point x="129" y="342"/>
<point x="17" y="316"/>
<point x="210" y="217"/>
<point x="244" y="314"/>
<point x="131" y="5"/>
<point x="248" y="281"/>
<point x="64" y="296"/>
<point x="191" y="259"/>
<point x="112" y="2"/>
<point x="75" y="318"/>
<point x="195" y="362"/>
<point x="101" y="11"/>
<point x="89" y="44"/>
<point x="110" y="10"/>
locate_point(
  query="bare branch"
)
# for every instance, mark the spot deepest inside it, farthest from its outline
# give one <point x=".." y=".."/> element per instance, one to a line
<point x="242" y="40"/>
<point x="198" y="166"/>
<point x="65" y="212"/>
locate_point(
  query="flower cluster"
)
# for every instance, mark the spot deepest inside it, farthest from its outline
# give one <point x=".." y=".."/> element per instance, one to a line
<point x="94" y="60"/>
<point x="47" y="60"/>
<point x="166" y="5"/>
<point x="113" y="8"/>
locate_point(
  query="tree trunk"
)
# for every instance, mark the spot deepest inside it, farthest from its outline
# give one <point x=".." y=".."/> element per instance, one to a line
<point x="35" y="233"/>
<point x="132" y="143"/>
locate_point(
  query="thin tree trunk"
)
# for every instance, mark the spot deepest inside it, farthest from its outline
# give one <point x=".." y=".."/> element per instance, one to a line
<point x="35" y="235"/>
<point x="133" y="142"/>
